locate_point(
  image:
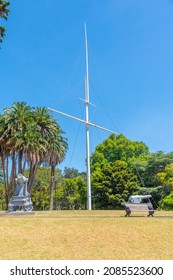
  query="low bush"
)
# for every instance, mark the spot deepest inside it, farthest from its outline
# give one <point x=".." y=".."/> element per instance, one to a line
<point x="167" y="203"/>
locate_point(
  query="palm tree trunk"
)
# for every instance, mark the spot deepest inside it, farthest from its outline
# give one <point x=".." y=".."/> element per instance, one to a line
<point x="20" y="162"/>
<point x="5" y="181"/>
<point x="32" y="174"/>
<point x="13" y="174"/>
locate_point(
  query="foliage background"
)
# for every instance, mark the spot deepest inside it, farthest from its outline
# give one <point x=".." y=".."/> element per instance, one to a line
<point x="120" y="168"/>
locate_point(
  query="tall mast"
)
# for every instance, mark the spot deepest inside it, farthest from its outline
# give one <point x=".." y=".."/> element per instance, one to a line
<point x="87" y="125"/>
<point x="86" y="122"/>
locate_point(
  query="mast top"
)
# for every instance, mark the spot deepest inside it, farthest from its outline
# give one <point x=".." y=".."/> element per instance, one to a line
<point x="87" y="74"/>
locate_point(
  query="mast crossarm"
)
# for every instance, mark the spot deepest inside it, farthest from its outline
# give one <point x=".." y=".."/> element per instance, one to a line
<point x="83" y="121"/>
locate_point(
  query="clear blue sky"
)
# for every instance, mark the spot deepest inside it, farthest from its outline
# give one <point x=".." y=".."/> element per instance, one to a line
<point x="42" y="62"/>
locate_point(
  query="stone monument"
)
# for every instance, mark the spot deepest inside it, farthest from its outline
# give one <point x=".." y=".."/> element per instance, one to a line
<point x="21" y="199"/>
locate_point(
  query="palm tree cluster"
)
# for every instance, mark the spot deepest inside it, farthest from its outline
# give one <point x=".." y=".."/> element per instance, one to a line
<point x="29" y="137"/>
<point x="4" y="11"/>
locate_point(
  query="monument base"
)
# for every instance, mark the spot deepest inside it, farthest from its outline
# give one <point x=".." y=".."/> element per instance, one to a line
<point x="20" y="202"/>
<point x="18" y="213"/>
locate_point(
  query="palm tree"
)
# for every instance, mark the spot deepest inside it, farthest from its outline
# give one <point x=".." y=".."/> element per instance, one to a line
<point x="56" y="144"/>
<point x="29" y="136"/>
<point x="33" y="147"/>
<point x="4" y="11"/>
<point x="13" y="122"/>
<point x="46" y="124"/>
<point x="18" y="117"/>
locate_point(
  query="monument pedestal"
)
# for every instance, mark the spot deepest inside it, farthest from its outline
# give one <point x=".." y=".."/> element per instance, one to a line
<point x="20" y="202"/>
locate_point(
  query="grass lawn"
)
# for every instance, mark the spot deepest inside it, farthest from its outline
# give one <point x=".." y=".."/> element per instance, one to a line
<point x="86" y="235"/>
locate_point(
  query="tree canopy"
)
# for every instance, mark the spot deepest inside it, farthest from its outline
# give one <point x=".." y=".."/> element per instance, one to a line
<point x="117" y="148"/>
<point x="113" y="184"/>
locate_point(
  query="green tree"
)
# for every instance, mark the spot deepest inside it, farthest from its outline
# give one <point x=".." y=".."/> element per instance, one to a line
<point x="165" y="178"/>
<point x="117" y="148"/>
<point x="41" y="188"/>
<point x="150" y="167"/>
<point x="71" y="194"/>
<point x="4" y="11"/>
<point x="167" y="203"/>
<point x="113" y="184"/>
<point x="70" y="172"/>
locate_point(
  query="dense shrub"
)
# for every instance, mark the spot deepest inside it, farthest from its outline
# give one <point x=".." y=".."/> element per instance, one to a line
<point x="167" y="203"/>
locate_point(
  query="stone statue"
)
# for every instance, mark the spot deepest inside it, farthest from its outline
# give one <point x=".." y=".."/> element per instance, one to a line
<point x="21" y="185"/>
<point x="21" y="198"/>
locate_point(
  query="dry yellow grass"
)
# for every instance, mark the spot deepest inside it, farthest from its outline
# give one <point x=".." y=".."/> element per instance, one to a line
<point x="81" y="235"/>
